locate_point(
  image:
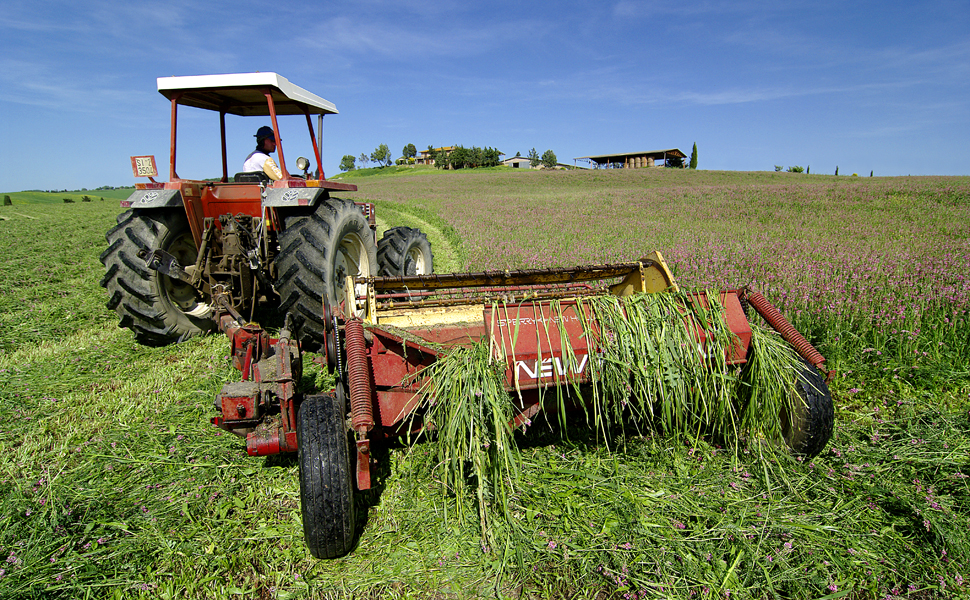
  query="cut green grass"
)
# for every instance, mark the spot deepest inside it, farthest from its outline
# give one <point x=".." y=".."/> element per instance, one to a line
<point x="648" y="369"/>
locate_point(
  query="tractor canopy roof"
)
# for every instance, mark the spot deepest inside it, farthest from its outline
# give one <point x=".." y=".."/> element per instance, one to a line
<point x="243" y="94"/>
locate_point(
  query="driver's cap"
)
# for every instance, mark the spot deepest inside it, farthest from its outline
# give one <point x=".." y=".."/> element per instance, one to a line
<point x="264" y="132"/>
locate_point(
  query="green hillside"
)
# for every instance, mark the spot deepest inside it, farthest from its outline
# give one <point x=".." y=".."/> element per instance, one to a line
<point x="19" y="198"/>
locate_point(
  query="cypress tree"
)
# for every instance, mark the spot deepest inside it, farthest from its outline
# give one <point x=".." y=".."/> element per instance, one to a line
<point x="693" y="157"/>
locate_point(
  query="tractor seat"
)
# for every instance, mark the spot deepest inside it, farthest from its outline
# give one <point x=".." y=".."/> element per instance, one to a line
<point x="251" y="177"/>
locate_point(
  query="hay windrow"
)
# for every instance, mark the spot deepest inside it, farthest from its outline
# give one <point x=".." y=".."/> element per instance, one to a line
<point x="648" y="371"/>
<point x="466" y="404"/>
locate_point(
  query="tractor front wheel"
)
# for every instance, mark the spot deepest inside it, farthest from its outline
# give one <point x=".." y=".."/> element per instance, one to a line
<point x="404" y="251"/>
<point x="809" y="427"/>
<point x="159" y="309"/>
<point x="326" y="489"/>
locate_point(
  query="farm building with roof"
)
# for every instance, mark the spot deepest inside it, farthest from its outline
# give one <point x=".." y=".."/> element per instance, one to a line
<point x="635" y="160"/>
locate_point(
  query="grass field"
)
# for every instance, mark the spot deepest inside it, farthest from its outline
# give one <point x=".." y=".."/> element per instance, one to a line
<point x="114" y="484"/>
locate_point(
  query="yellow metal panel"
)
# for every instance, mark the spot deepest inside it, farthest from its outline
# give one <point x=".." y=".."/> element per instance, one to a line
<point x="650" y="275"/>
<point x="431" y="316"/>
<point x="658" y="277"/>
<point x="631" y="284"/>
<point x="652" y="279"/>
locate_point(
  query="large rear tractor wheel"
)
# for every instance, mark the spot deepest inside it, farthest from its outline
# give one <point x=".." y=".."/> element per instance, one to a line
<point x="809" y="428"/>
<point x="319" y="247"/>
<point x="404" y="251"/>
<point x="159" y="309"/>
<point x="326" y="489"/>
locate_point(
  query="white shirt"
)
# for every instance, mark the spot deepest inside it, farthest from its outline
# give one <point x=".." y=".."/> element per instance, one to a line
<point x="260" y="161"/>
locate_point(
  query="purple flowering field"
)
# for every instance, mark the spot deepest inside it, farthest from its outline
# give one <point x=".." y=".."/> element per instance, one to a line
<point x="877" y="264"/>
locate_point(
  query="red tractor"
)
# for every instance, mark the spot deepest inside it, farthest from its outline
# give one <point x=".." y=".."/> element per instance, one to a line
<point x="246" y="237"/>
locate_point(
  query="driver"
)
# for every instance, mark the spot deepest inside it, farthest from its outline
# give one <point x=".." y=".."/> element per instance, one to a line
<point x="259" y="159"/>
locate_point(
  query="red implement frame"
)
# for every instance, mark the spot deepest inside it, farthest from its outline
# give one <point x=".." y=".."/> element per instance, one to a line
<point x="263" y="406"/>
<point x="536" y="322"/>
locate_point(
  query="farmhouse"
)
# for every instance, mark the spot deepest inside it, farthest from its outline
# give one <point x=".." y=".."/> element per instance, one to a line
<point x="635" y="160"/>
<point x="424" y="156"/>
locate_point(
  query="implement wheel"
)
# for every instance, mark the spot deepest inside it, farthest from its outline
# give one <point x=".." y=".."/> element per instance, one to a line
<point x="320" y="246"/>
<point x="159" y="309"/>
<point x="404" y="251"/>
<point x="326" y="489"/>
<point x="809" y="428"/>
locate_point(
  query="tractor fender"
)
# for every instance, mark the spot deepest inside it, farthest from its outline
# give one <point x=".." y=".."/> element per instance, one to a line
<point x="291" y="197"/>
<point x="154" y="199"/>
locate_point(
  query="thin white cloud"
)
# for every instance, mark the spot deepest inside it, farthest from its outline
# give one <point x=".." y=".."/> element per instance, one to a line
<point x="626" y="9"/>
<point x="83" y="57"/>
<point x="754" y="94"/>
<point x="37" y="84"/>
<point x="736" y="96"/>
<point x="793" y="50"/>
<point x="359" y="38"/>
<point x="951" y="62"/>
<point x="10" y="23"/>
<point x="884" y="131"/>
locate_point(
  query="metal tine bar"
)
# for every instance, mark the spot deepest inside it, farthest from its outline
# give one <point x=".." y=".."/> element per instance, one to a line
<point x="505" y="278"/>
<point x="465" y="292"/>
<point x="510" y="298"/>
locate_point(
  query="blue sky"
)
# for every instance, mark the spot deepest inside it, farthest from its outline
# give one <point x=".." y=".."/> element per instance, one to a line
<point x="880" y="86"/>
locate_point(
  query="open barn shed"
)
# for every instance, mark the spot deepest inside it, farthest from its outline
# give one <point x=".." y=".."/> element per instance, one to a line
<point x="635" y="160"/>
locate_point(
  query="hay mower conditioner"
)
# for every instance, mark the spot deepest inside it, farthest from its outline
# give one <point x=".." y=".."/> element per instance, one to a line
<point x="380" y="336"/>
<point x="245" y="237"/>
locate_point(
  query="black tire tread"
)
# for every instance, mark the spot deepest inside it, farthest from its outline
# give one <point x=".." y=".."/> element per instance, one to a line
<point x="812" y="424"/>
<point x="305" y="262"/>
<point x="394" y="247"/>
<point x="133" y="288"/>
<point x="326" y="489"/>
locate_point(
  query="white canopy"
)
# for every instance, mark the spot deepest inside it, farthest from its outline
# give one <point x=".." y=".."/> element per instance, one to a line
<point x="243" y="94"/>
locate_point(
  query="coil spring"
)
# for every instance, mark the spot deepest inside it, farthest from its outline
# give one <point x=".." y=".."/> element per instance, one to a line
<point x="783" y="327"/>
<point x="358" y="376"/>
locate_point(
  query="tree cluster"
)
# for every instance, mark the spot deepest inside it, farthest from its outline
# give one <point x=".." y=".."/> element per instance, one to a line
<point x="347" y="163"/>
<point x="548" y="159"/>
<point x="382" y="156"/>
<point x="466" y="158"/>
<point x="458" y="158"/>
